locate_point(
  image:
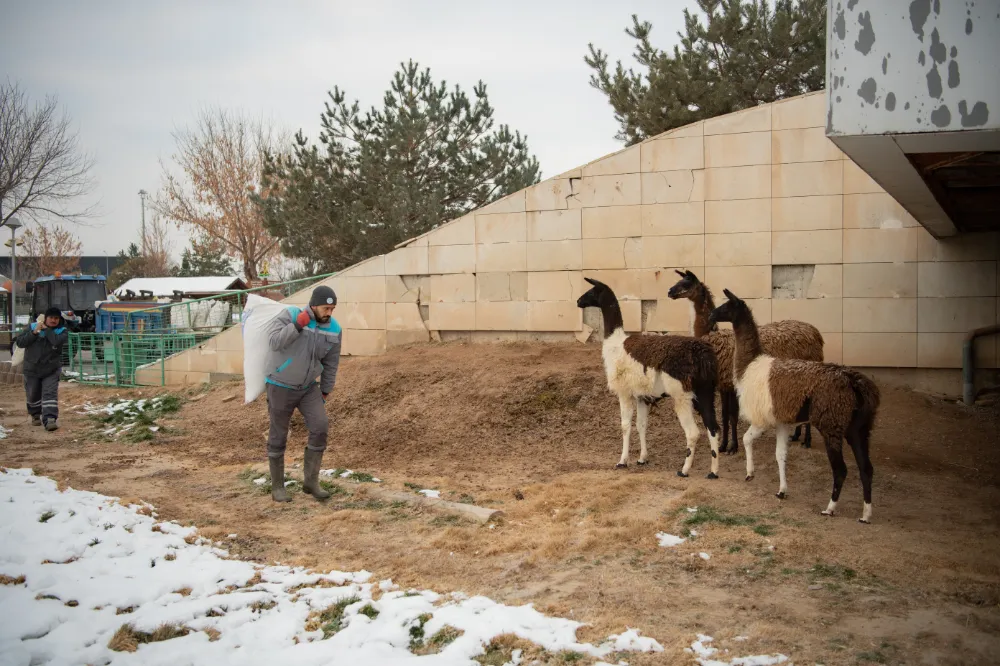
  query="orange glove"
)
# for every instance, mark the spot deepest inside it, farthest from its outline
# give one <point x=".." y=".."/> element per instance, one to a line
<point x="303" y="319"/>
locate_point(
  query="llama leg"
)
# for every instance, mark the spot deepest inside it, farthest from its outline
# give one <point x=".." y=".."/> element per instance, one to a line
<point x="627" y="406"/>
<point x="724" y="399"/>
<point x="706" y="406"/>
<point x="781" y="454"/>
<point x="834" y="451"/>
<point x="685" y="414"/>
<point x="795" y="435"/>
<point x="752" y="433"/>
<point x="859" y="444"/>
<point x="808" y="441"/>
<point x="641" y="416"/>
<point x="734" y="415"/>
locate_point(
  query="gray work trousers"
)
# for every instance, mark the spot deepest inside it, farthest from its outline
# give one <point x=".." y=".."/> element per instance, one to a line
<point x="42" y="395"/>
<point x="281" y="403"/>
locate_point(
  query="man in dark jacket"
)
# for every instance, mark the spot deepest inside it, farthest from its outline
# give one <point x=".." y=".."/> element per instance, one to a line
<point x="304" y="345"/>
<point x="43" y="343"/>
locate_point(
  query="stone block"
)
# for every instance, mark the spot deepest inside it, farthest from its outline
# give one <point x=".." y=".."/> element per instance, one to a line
<point x="880" y="315"/>
<point x="548" y="195"/>
<point x="457" y="232"/>
<point x="512" y="203"/>
<point x="406" y="261"/>
<point x="753" y="249"/>
<point x="493" y="287"/>
<point x="497" y="257"/>
<point x="833" y="347"/>
<point x="944" y="350"/>
<point x="807" y="179"/>
<point x="367" y="268"/>
<point x="518" y="286"/>
<point x="403" y="317"/>
<point x="363" y="343"/>
<point x="603" y="253"/>
<point x="553" y="225"/>
<point x="807" y="247"/>
<point x="633" y="253"/>
<point x="669" y="315"/>
<point x="955" y="315"/>
<point x="452" y="316"/>
<point x="673" y="219"/>
<point x="672" y="154"/>
<point x="406" y="337"/>
<point x="556" y="285"/>
<point x="875" y="211"/>
<point x="361" y="315"/>
<point x="744" y="182"/>
<point x="454" y="288"/>
<point x="565" y="255"/>
<point x="880" y="350"/>
<point x="807" y="110"/>
<point x="232" y="339"/>
<point x="612" y="222"/>
<point x="624" y="161"/>
<point x="733" y="150"/>
<point x="807" y="213"/>
<point x="631" y="316"/>
<point x="827" y="281"/>
<point x="897" y="280"/>
<point x="626" y="284"/>
<point x="757" y="119"/>
<point x="673" y="186"/>
<point x="362" y="290"/>
<point x="745" y="281"/>
<point x="940" y="279"/>
<point x="502" y="228"/>
<point x="554" y="316"/>
<point x="964" y="247"/>
<point x="501" y="316"/>
<point x="396" y="291"/>
<point x="598" y="191"/>
<point x="492" y="337"/>
<point x="654" y="283"/>
<point x="230" y="363"/>
<point x="737" y="216"/>
<point x="826" y="314"/>
<point x="452" y="259"/>
<point x="856" y="181"/>
<point x="803" y="145"/>
<point x="661" y="251"/>
<point x="870" y="246"/>
<point x="691" y="129"/>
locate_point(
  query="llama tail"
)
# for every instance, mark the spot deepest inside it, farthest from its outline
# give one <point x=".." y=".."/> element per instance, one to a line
<point x="866" y="401"/>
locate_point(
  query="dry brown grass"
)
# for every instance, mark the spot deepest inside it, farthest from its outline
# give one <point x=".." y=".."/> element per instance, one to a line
<point x="8" y="580"/>
<point x="128" y="639"/>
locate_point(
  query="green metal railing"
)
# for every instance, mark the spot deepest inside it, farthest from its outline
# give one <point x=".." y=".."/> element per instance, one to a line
<point x="137" y="354"/>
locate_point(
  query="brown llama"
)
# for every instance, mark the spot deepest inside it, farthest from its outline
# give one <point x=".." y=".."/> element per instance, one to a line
<point x="642" y="367"/>
<point x="782" y="339"/>
<point x="782" y="392"/>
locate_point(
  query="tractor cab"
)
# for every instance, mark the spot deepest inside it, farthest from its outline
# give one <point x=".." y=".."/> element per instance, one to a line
<point x="76" y="296"/>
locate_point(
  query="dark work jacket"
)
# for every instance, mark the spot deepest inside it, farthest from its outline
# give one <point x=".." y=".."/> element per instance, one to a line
<point x="42" y="352"/>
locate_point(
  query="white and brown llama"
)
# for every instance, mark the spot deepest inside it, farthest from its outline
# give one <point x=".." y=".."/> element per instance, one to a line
<point x="780" y="393"/>
<point x="788" y="338"/>
<point x="643" y="367"/>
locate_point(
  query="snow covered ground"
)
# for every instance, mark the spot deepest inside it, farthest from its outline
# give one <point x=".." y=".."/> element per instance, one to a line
<point x="81" y="571"/>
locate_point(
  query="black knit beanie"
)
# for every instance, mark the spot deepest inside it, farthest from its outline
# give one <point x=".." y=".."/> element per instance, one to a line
<point x="323" y="295"/>
<point x="53" y="312"/>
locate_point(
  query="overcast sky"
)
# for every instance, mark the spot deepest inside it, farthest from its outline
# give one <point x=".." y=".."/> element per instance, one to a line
<point x="129" y="73"/>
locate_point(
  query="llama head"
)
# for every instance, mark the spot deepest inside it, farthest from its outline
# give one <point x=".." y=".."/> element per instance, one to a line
<point x="599" y="296"/>
<point x="689" y="286"/>
<point x="733" y="310"/>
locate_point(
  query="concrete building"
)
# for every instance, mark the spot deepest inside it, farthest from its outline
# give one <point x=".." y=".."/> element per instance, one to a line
<point x="759" y="201"/>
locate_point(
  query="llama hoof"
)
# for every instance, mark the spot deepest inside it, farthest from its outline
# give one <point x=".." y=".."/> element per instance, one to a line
<point x="749" y="477"/>
<point x="732" y="451"/>
<point x="806" y="445"/>
<point x="827" y="513"/>
<point x="866" y="522"/>
<point x="712" y="475"/>
<point x="793" y="438"/>
<point x="642" y="462"/>
<point x="681" y="474"/>
<point x="780" y="495"/>
<point x="621" y="466"/>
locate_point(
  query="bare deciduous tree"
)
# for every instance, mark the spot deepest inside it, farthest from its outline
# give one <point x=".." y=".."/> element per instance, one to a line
<point x="221" y="160"/>
<point x="50" y="248"/>
<point x="42" y="170"/>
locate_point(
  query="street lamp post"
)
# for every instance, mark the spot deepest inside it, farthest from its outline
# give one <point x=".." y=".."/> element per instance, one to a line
<point x="142" y="195"/>
<point x="14" y="224"/>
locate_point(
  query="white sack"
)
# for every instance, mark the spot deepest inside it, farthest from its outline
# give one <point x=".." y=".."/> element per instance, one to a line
<point x="257" y="314"/>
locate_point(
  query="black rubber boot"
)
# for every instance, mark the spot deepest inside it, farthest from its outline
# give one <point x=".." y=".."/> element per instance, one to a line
<point x="278" y="492"/>
<point x="310" y="482"/>
<point x="36" y="420"/>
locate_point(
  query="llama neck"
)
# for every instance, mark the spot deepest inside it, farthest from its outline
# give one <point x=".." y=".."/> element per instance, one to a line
<point x="702" y="305"/>
<point x="612" y="315"/>
<point x="747" y="342"/>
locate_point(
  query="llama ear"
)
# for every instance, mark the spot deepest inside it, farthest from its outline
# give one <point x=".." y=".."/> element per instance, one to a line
<point x="730" y="295"/>
<point x="681" y="273"/>
<point x="587" y="279"/>
<point x="690" y="275"/>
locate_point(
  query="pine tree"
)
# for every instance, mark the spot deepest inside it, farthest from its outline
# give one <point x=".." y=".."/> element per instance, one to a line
<point x="206" y="257"/>
<point x="378" y="178"/>
<point x="745" y="54"/>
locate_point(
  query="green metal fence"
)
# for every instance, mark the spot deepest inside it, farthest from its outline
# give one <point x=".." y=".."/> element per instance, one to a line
<point x="148" y="338"/>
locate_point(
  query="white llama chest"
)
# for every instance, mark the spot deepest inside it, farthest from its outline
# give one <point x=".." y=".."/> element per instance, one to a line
<point x="626" y="375"/>
<point x="754" y="393"/>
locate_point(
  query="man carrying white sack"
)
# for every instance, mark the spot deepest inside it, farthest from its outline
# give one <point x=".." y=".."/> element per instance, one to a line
<point x="303" y="344"/>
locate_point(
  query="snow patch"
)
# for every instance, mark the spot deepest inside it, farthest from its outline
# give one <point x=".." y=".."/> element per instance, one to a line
<point x="434" y="494"/>
<point x="669" y="540"/>
<point x="704" y="652"/>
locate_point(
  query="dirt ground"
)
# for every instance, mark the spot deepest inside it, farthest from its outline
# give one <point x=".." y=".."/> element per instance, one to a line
<point x="532" y="430"/>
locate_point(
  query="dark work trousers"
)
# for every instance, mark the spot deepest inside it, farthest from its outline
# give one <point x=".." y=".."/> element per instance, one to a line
<point x="42" y="395"/>
<point x="281" y="403"/>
